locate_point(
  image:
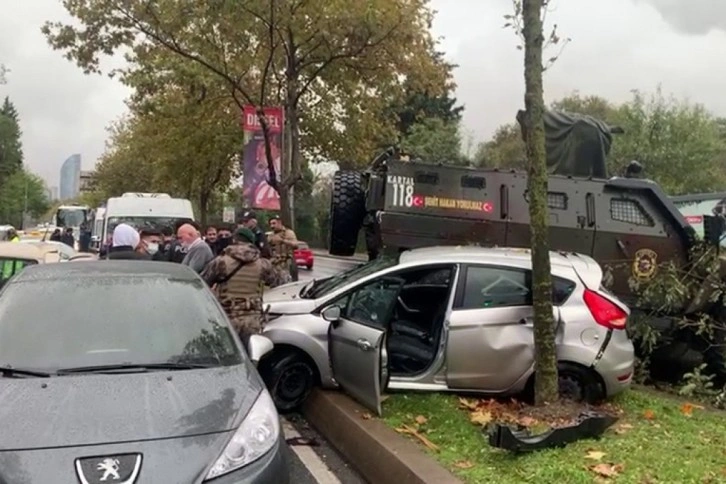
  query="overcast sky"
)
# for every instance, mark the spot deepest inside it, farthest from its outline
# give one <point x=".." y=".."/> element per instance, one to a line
<point x="617" y="46"/>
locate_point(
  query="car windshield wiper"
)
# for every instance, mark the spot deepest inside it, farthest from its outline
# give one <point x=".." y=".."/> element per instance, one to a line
<point x="133" y="368"/>
<point x="8" y="371"/>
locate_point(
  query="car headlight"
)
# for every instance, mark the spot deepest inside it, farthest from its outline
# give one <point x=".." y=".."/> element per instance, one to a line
<point x="257" y="434"/>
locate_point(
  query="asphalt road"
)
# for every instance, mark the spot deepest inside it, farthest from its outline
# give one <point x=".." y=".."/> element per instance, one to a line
<point x="312" y="458"/>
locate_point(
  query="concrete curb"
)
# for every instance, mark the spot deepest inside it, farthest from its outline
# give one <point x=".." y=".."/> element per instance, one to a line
<point x="375" y="450"/>
<point x="322" y="253"/>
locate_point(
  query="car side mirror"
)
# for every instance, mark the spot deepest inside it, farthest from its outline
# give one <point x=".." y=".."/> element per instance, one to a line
<point x="331" y="314"/>
<point x="258" y="346"/>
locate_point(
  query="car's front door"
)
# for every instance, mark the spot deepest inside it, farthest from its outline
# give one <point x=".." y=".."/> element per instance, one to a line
<point x="491" y="341"/>
<point x="357" y="339"/>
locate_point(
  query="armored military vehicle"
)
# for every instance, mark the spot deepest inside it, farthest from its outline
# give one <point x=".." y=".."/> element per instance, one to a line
<point x="626" y="223"/>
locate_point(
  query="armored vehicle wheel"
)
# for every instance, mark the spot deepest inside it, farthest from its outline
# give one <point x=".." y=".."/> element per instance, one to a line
<point x="347" y="210"/>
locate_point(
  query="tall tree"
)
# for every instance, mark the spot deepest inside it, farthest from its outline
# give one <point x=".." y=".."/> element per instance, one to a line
<point x="173" y="142"/>
<point x="436" y="141"/>
<point x="545" y="366"/>
<point x="23" y="194"/>
<point x="11" y="147"/>
<point x="342" y="57"/>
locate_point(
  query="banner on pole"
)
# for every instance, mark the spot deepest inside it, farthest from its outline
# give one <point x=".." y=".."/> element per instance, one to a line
<point x="256" y="189"/>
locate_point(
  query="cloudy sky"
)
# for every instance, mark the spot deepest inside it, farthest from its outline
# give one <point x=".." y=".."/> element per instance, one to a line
<point x="617" y="46"/>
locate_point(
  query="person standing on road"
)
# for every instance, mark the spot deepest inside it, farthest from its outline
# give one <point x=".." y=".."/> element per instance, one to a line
<point x="238" y="276"/>
<point x="210" y="237"/>
<point x="224" y="238"/>
<point x="124" y="244"/>
<point x="175" y="250"/>
<point x="372" y="231"/>
<point x="283" y="243"/>
<point x="13" y="235"/>
<point x="67" y="237"/>
<point x="199" y="254"/>
<point x="249" y="220"/>
<point x="151" y="241"/>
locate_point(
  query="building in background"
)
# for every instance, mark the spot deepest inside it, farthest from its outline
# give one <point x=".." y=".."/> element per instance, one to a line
<point x="70" y="177"/>
<point x="87" y="181"/>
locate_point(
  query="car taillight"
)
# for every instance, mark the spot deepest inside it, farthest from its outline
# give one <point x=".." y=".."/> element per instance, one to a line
<point x="605" y="312"/>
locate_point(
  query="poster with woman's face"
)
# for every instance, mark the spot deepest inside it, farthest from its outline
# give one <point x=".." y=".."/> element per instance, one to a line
<point x="258" y="192"/>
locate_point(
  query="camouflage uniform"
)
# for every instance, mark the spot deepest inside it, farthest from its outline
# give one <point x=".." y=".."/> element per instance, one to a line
<point x="239" y="287"/>
<point x="282" y="253"/>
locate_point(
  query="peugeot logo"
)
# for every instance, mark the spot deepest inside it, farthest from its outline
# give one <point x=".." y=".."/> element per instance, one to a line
<point x="111" y="469"/>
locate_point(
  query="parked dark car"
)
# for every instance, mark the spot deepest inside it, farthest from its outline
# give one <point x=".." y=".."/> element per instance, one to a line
<point x="129" y="371"/>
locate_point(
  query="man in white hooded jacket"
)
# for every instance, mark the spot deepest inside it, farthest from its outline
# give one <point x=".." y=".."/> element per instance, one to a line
<point x="124" y="243"/>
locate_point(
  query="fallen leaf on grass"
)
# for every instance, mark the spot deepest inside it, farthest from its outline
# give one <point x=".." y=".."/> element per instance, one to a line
<point x="594" y="455"/>
<point x="649" y="415"/>
<point x="421" y="420"/>
<point x="687" y="409"/>
<point x="607" y="470"/>
<point x="480" y="417"/>
<point x="468" y="403"/>
<point x="405" y="429"/>
<point x="622" y="428"/>
<point x="366" y="416"/>
<point x="527" y="421"/>
<point x="464" y="464"/>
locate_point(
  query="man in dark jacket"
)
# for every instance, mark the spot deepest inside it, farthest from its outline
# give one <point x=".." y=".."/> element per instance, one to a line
<point x="249" y="220"/>
<point x="125" y="243"/>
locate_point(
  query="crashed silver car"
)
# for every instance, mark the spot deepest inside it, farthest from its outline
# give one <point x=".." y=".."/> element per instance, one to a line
<point x="443" y="319"/>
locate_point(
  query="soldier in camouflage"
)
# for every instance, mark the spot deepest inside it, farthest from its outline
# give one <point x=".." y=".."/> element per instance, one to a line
<point x="237" y="276"/>
<point x="283" y="243"/>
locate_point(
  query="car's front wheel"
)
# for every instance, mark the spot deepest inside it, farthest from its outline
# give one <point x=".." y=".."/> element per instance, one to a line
<point x="290" y="376"/>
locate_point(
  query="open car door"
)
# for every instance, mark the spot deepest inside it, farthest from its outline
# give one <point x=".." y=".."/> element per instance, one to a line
<point x="357" y="339"/>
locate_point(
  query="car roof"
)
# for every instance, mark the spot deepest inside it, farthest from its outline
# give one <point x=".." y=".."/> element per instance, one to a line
<point x="108" y="268"/>
<point x="482" y="255"/>
<point x="26" y="251"/>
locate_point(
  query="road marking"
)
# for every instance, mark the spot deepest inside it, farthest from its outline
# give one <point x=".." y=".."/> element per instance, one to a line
<point x="312" y="461"/>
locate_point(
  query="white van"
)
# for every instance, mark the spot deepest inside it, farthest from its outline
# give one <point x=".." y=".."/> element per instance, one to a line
<point x="145" y="210"/>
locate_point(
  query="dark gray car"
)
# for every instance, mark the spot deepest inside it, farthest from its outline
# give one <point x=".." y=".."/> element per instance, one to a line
<point x="129" y="372"/>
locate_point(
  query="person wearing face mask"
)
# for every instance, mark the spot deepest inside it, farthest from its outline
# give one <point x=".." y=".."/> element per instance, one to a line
<point x="224" y="238"/>
<point x="151" y="241"/>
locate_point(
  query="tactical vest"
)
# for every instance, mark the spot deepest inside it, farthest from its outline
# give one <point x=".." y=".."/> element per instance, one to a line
<point x="281" y="252"/>
<point x="245" y="287"/>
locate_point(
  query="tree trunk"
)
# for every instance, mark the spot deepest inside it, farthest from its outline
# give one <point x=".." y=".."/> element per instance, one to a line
<point x="203" y="207"/>
<point x="546" y="387"/>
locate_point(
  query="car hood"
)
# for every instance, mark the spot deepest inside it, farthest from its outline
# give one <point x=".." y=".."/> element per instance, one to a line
<point x="94" y="409"/>
<point x="286" y="299"/>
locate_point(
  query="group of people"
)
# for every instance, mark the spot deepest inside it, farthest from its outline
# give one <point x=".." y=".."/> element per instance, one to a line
<point x="65" y="236"/>
<point x="236" y="262"/>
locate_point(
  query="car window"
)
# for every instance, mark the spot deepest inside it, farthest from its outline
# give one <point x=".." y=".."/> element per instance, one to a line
<point x="372" y="304"/>
<point x="326" y="286"/>
<point x="66" y="323"/>
<point x="302" y="246"/>
<point x="10" y="267"/>
<point x="486" y="287"/>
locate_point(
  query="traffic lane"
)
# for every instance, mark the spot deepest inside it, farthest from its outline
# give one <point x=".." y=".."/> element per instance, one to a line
<point x="326" y="267"/>
<point x="312" y="459"/>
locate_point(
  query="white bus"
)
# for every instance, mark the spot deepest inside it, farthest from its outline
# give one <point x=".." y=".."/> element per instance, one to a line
<point x="144" y="210"/>
<point x="98" y="216"/>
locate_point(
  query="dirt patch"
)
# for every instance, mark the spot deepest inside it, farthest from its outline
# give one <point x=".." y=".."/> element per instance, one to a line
<point x="554" y="415"/>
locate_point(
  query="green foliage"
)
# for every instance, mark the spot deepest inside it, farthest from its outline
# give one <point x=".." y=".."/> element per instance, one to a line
<point x="681" y="145"/>
<point x="20" y="192"/>
<point x="11" y="149"/>
<point x="693" y="298"/>
<point x="435" y="140"/>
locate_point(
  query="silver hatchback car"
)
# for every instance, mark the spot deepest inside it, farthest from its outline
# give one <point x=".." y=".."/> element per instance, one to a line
<point x="444" y="319"/>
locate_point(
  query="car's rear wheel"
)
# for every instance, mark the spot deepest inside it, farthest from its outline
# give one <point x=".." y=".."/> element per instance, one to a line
<point x="290" y="376"/>
<point x="575" y="382"/>
<point x="310" y="266"/>
<point x="579" y="384"/>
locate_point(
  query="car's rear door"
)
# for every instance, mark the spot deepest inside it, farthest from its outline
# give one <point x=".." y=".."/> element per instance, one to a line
<point x="357" y="340"/>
